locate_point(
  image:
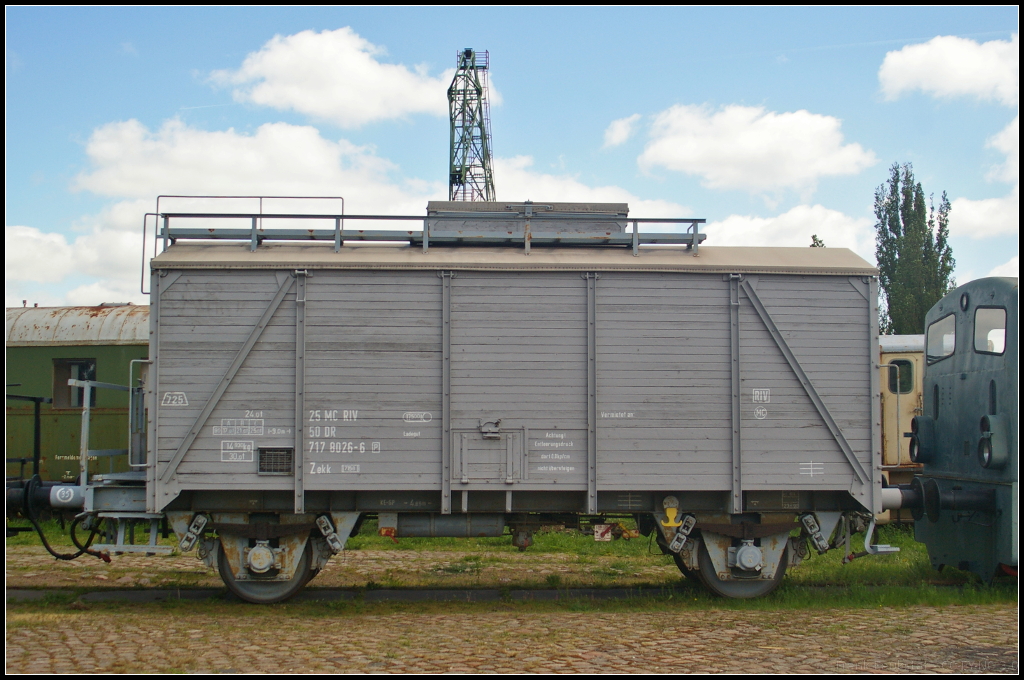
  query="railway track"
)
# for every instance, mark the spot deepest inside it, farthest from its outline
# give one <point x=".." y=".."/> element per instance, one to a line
<point x="348" y="594"/>
<point x="145" y="595"/>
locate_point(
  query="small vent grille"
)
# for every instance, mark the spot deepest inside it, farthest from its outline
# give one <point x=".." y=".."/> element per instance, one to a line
<point x="277" y="461"/>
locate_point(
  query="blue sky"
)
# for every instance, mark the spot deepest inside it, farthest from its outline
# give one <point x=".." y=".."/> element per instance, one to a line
<point x="772" y="124"/>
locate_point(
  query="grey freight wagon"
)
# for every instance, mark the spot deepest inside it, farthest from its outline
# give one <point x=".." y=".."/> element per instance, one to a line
<point x="462" y="382"/>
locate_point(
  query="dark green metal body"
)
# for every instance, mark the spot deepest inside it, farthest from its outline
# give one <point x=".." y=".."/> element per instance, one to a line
<point x="959" y="391"/>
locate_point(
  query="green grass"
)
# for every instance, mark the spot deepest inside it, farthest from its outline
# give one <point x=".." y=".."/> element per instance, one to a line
<point x="460" y="568"/>
<point x="901" y="579"/>
<point x="905" y="578"/>
<point x="910" y="566"/>
<point x="57" y="536"/>
<point x="550" y="540"/>
<point x="54" y="534"/>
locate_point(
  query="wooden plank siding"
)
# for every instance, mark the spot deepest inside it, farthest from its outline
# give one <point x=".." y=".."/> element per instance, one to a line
<point x="373" y="358"/>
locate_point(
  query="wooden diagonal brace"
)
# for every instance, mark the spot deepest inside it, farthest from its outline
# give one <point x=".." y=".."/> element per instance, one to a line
<point x="222" y="387"/>
<point x="806" y="382"/>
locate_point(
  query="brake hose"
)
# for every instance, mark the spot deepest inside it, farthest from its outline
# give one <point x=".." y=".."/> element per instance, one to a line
<point x="82" y="550"/>
<point x="31" y="514"/>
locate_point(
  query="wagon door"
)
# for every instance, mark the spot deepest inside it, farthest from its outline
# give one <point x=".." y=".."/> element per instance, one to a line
<point x="518" y="351"/>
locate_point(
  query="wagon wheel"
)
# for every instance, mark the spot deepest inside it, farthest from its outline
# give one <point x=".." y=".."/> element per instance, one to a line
<point x="690" y="574"/>
<point x="740" y="588"/>
<point x="266" y="592"/>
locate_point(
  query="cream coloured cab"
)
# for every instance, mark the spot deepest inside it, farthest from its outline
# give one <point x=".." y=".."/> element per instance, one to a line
<point x="901" y="366"/>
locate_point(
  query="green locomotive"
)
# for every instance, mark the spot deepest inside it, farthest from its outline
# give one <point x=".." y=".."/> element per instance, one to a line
<point x="966" y="438"/>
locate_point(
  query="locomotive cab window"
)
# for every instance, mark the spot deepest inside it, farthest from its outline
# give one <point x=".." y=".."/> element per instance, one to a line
<point x="941" y="338"/>
<point x="990" y="330"/>
<point x="65" y="396"/>
<point x="901" y="376"/>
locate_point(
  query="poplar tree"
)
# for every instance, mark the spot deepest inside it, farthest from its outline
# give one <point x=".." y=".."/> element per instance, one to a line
<point x="915" y="261"/>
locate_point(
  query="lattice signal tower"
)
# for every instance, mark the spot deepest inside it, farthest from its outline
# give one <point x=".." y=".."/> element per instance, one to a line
<point x="469" y="166"/>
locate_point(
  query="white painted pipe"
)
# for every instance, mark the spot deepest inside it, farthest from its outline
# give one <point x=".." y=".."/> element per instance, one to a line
<point x="892" y="498"/>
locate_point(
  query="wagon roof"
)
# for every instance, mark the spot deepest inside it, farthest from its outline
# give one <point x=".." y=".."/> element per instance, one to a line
<point x="710" y="259"/>
<point x="64" y="326"/>
<point x="901" y="343"/>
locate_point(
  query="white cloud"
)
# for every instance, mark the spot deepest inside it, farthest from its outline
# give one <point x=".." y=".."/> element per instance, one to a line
<point x="620" y="130"/>
<point x="948" y="66"/>
<point x="1009" y="268"/>
<point x="31" y="255"/>
<point x="993" y="216"/>
<point x="18" y="294"/>
<point x="108" y="253"/>
<point x="977" y="219"/>
<point x="749" y="148"/>
<point x="278" y="159"/>
<point x="107" y="290"/>
<point x="985" y="217"/>
<point x="110" y="249"/>
<point x="1007" y="141"/>
<point x="794" y="229"/>
<point x="515" y="180"/>
<point x="134" y="164"/>
<point x="335" y="76"/>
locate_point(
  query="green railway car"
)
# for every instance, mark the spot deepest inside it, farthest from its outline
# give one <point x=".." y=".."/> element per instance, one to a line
<point x="47" y="346"/>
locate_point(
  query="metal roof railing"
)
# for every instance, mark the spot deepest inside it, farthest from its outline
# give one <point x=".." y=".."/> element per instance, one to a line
<point x="437" y="229"/>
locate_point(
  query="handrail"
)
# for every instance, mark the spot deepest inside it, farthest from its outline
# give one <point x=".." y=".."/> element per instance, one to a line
<point x="142" y="269"/>
<point x="36" y="431"/>
<point x="460" y="217"/>
<point x="898" y="435"/>
<point x="83" y="444"/>
<point x="136" y="414"/>
<point x="157" y="214"/>
<point x="433" y="230"/>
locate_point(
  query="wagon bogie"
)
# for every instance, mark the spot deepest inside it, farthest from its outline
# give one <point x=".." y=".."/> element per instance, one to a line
<point x="741" y="572"/>
<point x="264" y="572"/>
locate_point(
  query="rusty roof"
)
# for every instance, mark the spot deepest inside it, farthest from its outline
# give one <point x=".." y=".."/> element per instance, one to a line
<point x="64" y="326"/>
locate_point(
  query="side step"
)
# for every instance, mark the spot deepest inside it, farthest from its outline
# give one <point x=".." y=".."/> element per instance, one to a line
<point x="121" y="525"/>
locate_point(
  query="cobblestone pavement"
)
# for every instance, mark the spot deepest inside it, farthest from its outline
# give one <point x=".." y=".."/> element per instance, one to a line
<point x="241" y="638"/>
<point x="665" y="636"/>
